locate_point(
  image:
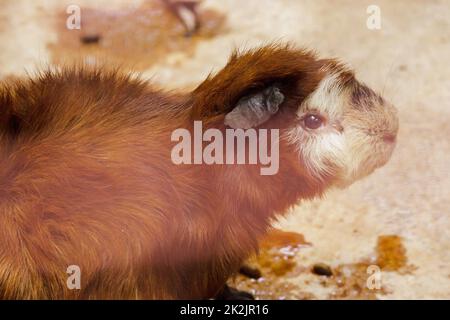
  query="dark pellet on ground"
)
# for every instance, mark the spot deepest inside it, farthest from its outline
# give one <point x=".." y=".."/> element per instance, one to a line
<point x="250" y="272"/>
<point x="90" y="39"/>
<point x="322" y="269"/>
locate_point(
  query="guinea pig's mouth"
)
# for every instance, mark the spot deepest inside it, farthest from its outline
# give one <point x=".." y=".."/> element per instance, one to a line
<point x="389" y="146"/>
<point x="368" y="158"/>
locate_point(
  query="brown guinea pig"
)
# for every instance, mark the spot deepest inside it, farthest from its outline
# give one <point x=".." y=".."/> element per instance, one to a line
<point x="87" y="175"/>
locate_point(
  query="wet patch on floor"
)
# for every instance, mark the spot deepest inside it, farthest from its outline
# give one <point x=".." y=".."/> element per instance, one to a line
<point x="132" y="37"/>
<point x="364" y="279"/>
<point x="276" y="264"/>
<point x="391" y="254"/>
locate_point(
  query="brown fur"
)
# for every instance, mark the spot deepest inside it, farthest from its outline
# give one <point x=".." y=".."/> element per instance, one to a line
<point x="86" y="179"/>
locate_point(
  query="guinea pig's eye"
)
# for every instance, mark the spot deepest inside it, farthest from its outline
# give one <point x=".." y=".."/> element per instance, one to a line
<point x="313" y="121"/>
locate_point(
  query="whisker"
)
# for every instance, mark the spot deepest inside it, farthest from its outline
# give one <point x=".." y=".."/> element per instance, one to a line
<point x="389" y="73"/>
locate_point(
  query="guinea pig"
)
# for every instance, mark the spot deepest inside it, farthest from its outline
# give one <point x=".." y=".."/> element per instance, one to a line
<point x="87" y="176"/>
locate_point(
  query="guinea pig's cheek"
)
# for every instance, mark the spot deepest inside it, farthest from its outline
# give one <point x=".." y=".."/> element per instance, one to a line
<point x="354" y="154"/>
<point x="322" y="155"/>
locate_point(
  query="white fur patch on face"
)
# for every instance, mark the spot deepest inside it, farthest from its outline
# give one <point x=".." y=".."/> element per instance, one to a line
<point x="322" y="151"/>
<point x="322" y="154"/>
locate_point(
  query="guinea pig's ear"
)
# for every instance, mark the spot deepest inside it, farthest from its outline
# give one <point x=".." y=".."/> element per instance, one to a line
<point x="255" y="109"/>
<point x="253" y="86"/>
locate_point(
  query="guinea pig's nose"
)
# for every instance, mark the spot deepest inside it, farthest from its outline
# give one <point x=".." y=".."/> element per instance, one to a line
<point x="390" y="138"/>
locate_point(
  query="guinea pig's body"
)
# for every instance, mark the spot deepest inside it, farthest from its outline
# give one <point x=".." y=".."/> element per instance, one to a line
<point x="86" y="178"/>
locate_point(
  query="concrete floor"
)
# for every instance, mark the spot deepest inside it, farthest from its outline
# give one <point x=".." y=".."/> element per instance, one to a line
<point x="407" y="60"/>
